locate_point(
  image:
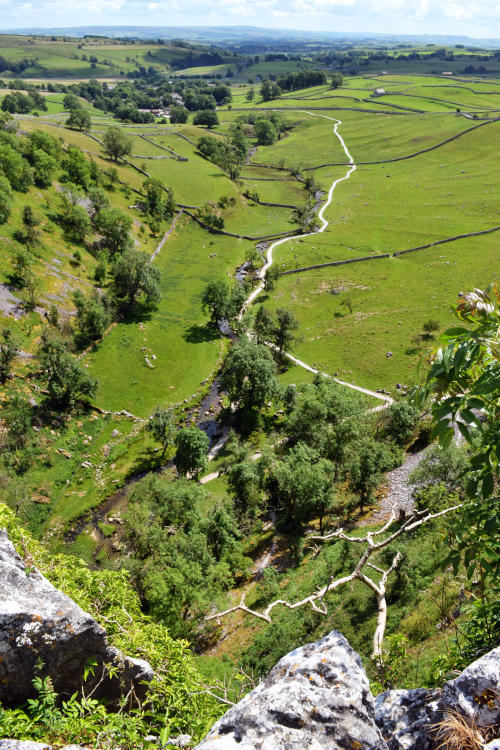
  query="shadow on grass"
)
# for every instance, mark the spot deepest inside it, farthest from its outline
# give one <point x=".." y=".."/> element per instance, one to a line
<point x="147" y="461"/>
<point x="196" y="334"/>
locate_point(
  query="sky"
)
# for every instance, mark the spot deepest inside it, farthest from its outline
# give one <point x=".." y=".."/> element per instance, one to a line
<point x="480" y="18"/>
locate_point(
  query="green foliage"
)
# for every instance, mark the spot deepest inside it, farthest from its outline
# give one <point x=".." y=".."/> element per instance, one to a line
<point x="92" y="316"/>
<point x="178" y="115"/>
<point x="160" y="204"/>
<point x="116" y="143"/>
<point x="67" y="381"/>
<point x="243" y="480"/>
<point x="114" y="227"/>
<point x="369" y="460"/>
<point x="80" y="119"/>
<point x="301" y="486"/>
<point x="227" y="156"/>
<point x="191" y="446"/>
<point x="265" y="131"/>
<point x="5" y="199"/>
<point x="18" y="416"/>
<point x="336" y="80"/>
<point x="215" y="300"/>
<point x="180" y="559"/>
<point x="135" y="284"/>
<point x="263" y="324"/>
<point x="464" y="380"/>
<point x="403" y="418"/>
<point x="206" y="117"/>
<point x="442" y="466"/>
<point x="249" y="374"/>
<point x="75" y="221"/>
<point x="162" y="426"/>
<point x="71" y="102"/>
<point x="285" y="325"/>
<point x="15" y="168"/>
<point x="76" y="168"/>
<point x="269" y="90"/>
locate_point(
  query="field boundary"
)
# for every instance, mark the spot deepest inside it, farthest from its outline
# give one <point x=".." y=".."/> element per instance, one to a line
<point x="378" y="161"/>
<point x="390" y="255"/>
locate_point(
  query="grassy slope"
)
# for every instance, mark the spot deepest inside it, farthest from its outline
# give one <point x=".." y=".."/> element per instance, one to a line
<point x="186" y="351"/>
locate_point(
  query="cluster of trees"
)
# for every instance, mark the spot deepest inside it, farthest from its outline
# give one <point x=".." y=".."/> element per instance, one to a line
<point x="329" y="443"/>
<point x="24" y="161"/>
<point x="181" y="559"/>
<point x="278" y="329"/>
<point x="222" y="301"/>
<point x="270" y="90"/>
<point x="228" y="155"/>
<point x="18" y="103"/>
<point x="206" y="117"/>
<point x="302" y="80"/>
<point x="15" y="66"/>
<point x="267" y="128"/>
<point x="84" y="211"/>
<point x="63" y="379"/>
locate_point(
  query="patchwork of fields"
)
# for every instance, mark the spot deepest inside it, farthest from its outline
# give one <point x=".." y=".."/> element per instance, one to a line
<point x="421" y="177"/>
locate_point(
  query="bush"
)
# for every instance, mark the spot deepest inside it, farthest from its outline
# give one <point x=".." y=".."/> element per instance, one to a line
<point x="402" y="421"/>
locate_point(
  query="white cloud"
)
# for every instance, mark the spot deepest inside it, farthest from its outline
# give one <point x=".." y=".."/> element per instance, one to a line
<point x="460" y="17"/>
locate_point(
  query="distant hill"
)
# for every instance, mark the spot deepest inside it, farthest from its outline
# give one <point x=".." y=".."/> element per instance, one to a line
<point x="252" y="33"/>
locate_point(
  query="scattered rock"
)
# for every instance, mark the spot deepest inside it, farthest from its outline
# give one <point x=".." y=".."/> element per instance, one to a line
<point x="182" y="740"/>
<point x="388" y="354"/>
<point x="40" y="499"/>
<point x="40" y="623"/>
<point x="115" y="433"/>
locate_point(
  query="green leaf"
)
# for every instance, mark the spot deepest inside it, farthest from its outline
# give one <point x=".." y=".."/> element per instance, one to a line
<point x="464" y="431"/>
<point x="456" y="331"/>
<point x="487" y="485"/>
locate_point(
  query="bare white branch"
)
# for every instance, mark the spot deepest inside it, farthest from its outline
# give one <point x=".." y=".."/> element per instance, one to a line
<point x="315" y="600"/>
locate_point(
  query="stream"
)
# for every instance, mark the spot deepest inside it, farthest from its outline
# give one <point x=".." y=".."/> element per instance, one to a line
<point x="205" y="415"/>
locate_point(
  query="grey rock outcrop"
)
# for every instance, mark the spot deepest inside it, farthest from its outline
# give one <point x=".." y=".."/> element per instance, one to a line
<point x="38" y="622"/>
<point x="316" y="697"/>
<point x="407" y="717"/>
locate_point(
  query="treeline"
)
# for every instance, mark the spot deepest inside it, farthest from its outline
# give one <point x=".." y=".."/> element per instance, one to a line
<point x="15" y="66"/>
<point x="126" y="99"/>
<point x="302" y="80"/>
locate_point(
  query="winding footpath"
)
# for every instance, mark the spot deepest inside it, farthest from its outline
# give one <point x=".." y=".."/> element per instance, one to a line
<point x="324" y="223"/>
<point x="386" y="400"/>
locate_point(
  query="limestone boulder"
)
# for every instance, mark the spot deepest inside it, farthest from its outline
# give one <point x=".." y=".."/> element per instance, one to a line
<point x="316" y="697"/>
<point x="38" y="623"/>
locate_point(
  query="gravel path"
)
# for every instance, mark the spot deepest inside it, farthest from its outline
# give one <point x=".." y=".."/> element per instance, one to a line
<point x="398" y="493"/>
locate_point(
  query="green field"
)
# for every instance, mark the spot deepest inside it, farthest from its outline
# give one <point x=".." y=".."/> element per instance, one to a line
<point x="383" y="208"/>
